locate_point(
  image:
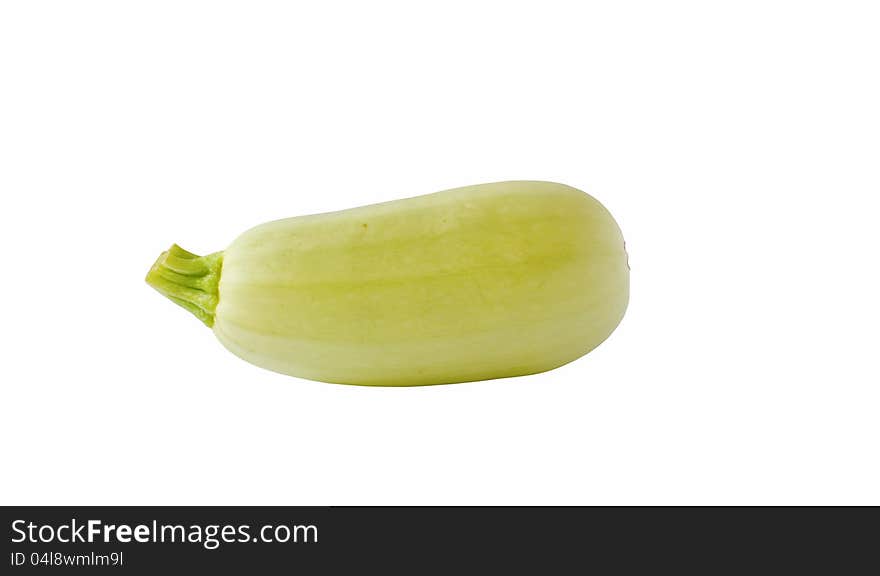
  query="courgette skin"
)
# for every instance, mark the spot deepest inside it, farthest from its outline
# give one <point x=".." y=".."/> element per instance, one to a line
<point x="474" y="283"/>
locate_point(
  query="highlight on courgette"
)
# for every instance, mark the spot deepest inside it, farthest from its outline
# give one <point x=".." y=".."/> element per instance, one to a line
<point x="474" y="283"/>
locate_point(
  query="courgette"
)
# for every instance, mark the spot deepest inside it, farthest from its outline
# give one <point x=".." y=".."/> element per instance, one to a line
<point x="481" y="282"/>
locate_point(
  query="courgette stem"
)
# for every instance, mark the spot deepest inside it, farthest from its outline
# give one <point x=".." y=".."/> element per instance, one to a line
<point x="188" y="280"/>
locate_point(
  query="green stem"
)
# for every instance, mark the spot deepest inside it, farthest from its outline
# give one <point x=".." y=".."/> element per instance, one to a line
<point x="188" y="280"/>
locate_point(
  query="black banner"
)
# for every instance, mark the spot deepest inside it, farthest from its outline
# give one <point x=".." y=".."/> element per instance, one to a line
<point x="414" y="540"/>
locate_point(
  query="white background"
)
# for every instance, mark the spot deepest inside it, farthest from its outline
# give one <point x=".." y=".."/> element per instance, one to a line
<point x="736" y="143"/>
